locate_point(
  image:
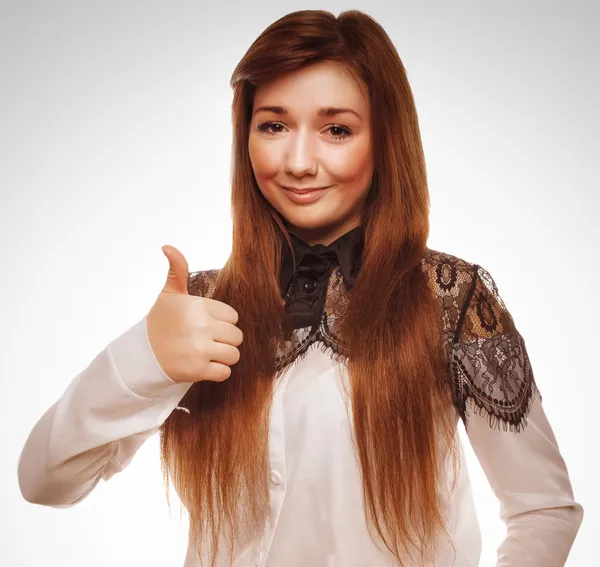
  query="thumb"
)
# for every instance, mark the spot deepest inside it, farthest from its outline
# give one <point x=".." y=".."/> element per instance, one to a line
<point x="177" y="279"/>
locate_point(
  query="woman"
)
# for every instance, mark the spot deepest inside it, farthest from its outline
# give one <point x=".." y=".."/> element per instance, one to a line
<point x="329" y="437"/>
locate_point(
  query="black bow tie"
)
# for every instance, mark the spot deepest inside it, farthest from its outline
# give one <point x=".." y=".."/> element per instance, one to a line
<point x="317" y="261"/>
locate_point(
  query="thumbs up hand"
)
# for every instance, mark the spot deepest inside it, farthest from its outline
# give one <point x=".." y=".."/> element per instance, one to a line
<point x="193" y="338"/>
<point x="177" y="278"/>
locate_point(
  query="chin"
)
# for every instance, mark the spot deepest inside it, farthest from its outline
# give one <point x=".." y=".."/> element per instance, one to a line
<point x="308" y="220"/>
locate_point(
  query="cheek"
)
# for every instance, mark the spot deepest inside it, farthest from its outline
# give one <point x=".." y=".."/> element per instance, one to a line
<point x="264" y="158"/>
<point x="353" y="164"/>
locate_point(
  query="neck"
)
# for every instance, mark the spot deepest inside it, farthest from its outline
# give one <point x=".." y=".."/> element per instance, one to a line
<point x="324" y="235"/>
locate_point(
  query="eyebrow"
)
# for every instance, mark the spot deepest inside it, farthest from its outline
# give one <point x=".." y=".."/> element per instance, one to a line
<point x="323" y="111"/>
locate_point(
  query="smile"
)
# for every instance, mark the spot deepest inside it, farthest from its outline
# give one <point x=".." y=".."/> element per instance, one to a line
<point x="307" y="197"/>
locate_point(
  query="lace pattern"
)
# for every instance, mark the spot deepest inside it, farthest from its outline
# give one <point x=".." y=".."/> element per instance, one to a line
<point x="486" y="356"/>
<point x="489" y="360"/>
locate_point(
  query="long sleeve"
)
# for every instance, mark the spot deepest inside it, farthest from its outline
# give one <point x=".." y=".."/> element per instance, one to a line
<point x="93" y="431"/>
<point x="510" y="433"/>
<point x="529" y="477"/>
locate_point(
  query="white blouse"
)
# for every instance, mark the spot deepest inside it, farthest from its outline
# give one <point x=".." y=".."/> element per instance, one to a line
<point x="317" y="520"/>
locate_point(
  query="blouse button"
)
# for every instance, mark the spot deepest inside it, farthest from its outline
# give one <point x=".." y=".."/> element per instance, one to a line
<point x="309" y="286"/>
<point x="275" y="478"/>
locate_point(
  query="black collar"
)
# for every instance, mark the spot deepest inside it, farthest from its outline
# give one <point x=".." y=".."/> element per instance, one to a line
<point x="346" y="251"/>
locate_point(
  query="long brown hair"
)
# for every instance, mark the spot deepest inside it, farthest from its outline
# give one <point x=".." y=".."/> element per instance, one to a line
<point x="217" y="455"/>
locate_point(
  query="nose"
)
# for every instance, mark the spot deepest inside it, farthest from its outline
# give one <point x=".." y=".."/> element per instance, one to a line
<point x="300" y="158"/>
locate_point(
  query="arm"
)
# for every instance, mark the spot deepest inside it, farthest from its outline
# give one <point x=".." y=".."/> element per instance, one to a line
<point x="528" y="475"/>
<point x="510" y="433"/>
<point x="93" y="431"/>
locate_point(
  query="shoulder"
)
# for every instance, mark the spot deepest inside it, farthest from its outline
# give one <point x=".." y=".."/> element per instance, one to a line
<point x="447" y="270"/>
<point x="202" y="282"/>
<point x="487" y="356"/>
<point x="470" y="303"/>
<point x="452" y="280"/>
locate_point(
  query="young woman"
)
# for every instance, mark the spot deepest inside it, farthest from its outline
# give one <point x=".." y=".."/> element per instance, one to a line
<point x="308" y="393"/>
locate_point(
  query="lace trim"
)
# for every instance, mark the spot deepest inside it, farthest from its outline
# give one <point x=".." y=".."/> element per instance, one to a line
<point x="486" y="356"/>
<point x="497" y="375"/>
<point x="489" y="360"/>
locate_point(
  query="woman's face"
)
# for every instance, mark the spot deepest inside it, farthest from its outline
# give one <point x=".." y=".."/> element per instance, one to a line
<point x="292" y="145"/>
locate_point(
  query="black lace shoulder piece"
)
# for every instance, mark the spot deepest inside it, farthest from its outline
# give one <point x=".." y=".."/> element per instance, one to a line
<point x="488" y="359"/>
<point x="486" y="356"/>
<point x="202" y="283"/>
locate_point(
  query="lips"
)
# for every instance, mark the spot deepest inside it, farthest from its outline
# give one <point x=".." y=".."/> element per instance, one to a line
<point x="303" y="191"/>
<point x="305" y="197"/>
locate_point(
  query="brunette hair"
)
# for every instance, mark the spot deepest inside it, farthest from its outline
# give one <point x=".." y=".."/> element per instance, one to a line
<point x="404" y="426"/>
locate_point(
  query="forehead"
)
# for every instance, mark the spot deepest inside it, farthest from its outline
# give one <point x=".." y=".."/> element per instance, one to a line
<point x="326" y="83"/>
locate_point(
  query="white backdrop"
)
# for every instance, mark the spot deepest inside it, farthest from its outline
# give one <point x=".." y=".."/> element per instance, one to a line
<point x="115" y="139"/>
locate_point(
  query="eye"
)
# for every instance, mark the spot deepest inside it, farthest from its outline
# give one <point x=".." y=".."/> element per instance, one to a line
<point x="343" y="131"/>
<point x="265" y="126"/>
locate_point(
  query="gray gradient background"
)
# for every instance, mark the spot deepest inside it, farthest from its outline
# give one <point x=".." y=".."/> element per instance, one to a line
<point x="115" y="140"/>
